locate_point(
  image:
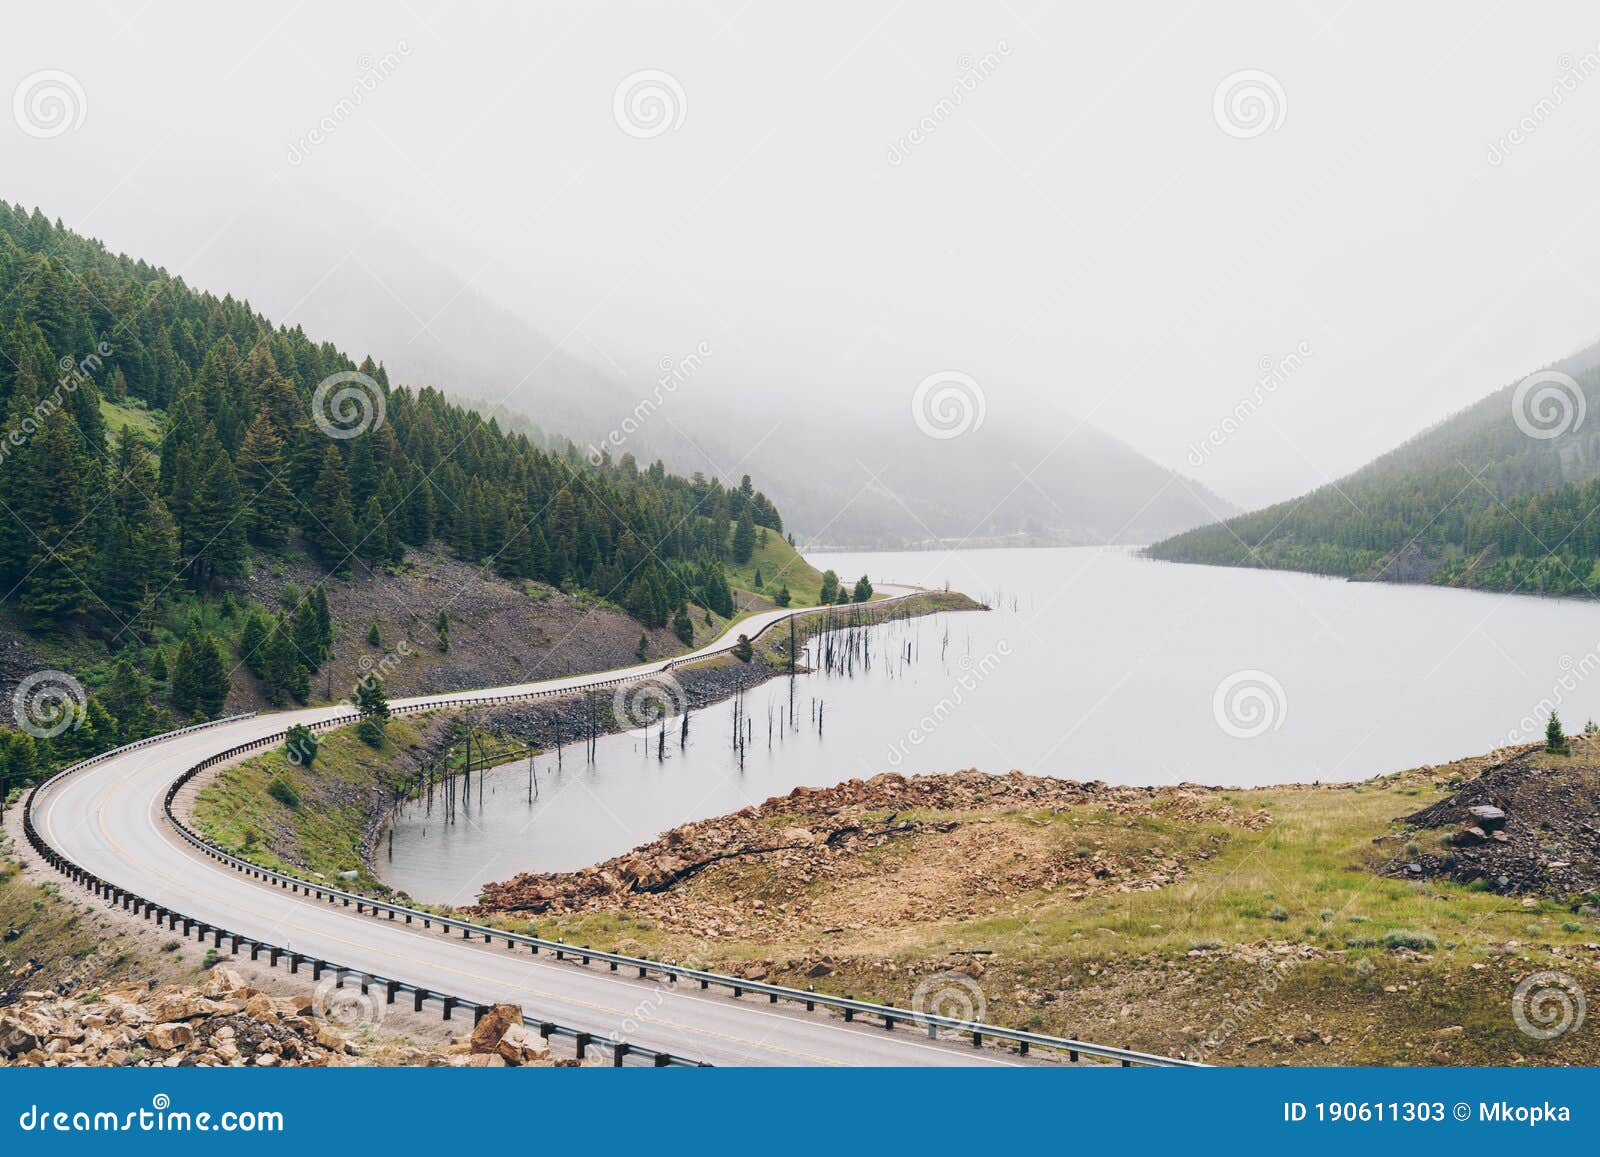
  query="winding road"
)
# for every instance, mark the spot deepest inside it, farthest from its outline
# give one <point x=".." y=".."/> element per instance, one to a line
<point x="109" y="818"/>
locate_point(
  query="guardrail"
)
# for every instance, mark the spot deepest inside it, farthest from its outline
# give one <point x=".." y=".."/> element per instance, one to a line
<point x="888" y="1015"/>
<point x="392" y="987"/>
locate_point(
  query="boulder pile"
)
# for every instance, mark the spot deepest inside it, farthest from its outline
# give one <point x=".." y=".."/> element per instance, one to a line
<point x="1522" y="827"/>
<point x="225" y="1023"/>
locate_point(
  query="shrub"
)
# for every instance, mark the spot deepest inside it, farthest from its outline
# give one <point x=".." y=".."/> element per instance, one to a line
<point x="283" y="791"/>
<point x="1279" y="913"/>
<point x="370" y="732"/>
<point x="300" y="745"/>
<point x="1571" y="926"/>
<point x="1405" y="938"/>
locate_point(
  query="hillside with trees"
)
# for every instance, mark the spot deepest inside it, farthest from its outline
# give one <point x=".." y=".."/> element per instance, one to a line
<point x="163" y="450"/>
<point x="1501" y="496"/>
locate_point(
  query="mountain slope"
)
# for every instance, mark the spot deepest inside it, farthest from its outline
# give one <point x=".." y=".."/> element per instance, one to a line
<point x="182" y="485"/>
<point x="866" y="479"/>
<point x="1500" y="496"/>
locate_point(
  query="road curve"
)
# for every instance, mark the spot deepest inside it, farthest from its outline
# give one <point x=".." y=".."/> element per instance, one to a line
<point x="109" y="818"/>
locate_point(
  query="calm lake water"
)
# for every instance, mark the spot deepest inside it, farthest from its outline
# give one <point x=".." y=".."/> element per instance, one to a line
<point x="1093" y="664"/>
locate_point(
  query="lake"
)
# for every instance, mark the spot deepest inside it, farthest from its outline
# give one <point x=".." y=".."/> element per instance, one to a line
<point x="1094" y="663"/>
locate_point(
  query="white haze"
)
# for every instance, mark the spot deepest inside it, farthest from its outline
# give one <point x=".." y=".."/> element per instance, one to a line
<point x="1078" y="235"/>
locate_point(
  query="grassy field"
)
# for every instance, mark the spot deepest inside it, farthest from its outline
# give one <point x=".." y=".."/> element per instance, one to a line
<point x="1280" y="944"/>
<point x="143" y="422"/>
<point x="780" y="565"/>
<point x="340" y="795"/>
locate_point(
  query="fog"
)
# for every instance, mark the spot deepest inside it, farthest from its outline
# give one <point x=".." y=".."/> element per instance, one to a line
<point x="823" y="207"/>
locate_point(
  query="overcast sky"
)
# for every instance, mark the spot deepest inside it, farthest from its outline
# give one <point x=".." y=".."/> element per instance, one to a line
<point x="844" y="198"/>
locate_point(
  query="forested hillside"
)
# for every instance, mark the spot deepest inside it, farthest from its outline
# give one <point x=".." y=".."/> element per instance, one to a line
<point x="160" y="446"/>
<point x="1501" y="496"/>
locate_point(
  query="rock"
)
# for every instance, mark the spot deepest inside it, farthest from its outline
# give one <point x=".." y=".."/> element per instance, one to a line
<point x="487" y="1033"/>
<point x="1451" y="1030"/>
<point x="522" y="1046"/>
<point x="820" y="968"/>
<point x="16" y="1038"/>
<point x="169" y="1036"/>
<point x="1488" y="817"/>
<point x="223" y="982"/>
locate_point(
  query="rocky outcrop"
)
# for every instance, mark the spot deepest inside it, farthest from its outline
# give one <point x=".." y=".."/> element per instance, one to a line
<point x="809" y="831"/>
<point x="1524" y="826"/>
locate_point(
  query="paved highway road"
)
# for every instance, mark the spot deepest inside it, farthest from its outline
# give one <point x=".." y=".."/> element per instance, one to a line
<point x="110" y="819"/>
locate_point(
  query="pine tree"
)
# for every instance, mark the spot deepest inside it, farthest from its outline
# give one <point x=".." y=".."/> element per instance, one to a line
<point x="269" y="504"/>
<point x="830" y="589"/>
<point x="863" y="590"/>
<point x="209" y="677"/>
<point x="744" y="537"/>
<point x="253" y="641"/>
<point x="128" y="698"/>
<point x="370" y="699"/>
<point x="53" y="588"/>
<point x="214" y="529"/>
<point x="1555" y="740"/>
<point x="682" y="626"/>
<point x="329" y="526"/>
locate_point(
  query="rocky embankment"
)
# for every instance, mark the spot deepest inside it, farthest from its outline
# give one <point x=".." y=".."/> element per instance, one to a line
<point x="1525" y="826"/>
<point x="226" y="1023"/>
<point x="830" y="834"/>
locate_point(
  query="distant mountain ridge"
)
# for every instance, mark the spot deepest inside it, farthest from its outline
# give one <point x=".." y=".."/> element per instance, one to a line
<point x="1501" y="496"/>
<point x="875" y="481"/>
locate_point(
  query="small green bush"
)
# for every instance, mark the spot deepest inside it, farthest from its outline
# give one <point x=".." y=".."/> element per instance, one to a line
<point x="370" y="732"/>
<point x="283" y="791"/>
<point x="1406" y="938"/>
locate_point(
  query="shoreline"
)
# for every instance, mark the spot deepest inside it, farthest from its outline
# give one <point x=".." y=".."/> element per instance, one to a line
<point x="702" y="683"/>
